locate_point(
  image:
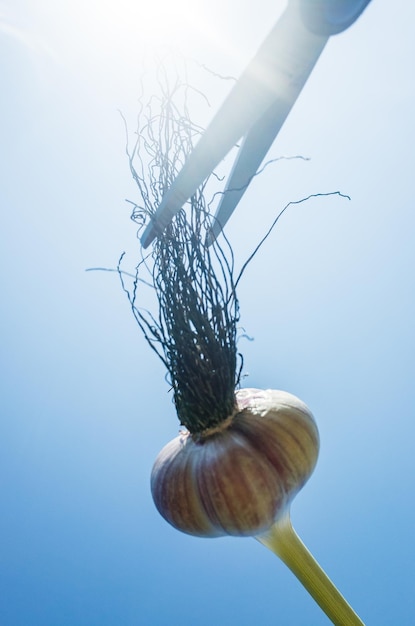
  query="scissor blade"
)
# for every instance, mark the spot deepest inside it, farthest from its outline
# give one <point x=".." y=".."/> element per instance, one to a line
<point x="277" y="73"/>
<point x="255" y="146"/>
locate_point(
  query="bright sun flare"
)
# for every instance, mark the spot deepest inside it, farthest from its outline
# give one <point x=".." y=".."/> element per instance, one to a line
<point x="151" y="22"/>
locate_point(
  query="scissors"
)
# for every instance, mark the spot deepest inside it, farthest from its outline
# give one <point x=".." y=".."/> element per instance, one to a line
<point x="257" y="107"/>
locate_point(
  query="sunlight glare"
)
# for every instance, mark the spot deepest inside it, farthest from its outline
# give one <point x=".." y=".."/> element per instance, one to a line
<point x="114" y="23"/>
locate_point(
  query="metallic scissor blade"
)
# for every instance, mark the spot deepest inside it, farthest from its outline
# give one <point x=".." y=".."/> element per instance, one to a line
<point x="277" y="73"/>
<point x="255" y="146"/>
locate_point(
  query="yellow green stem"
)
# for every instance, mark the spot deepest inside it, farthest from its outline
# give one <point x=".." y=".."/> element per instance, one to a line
<point x="285" y="543"/>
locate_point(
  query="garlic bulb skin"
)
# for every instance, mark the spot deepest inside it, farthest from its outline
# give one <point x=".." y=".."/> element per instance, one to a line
<point x="238" y="478"/>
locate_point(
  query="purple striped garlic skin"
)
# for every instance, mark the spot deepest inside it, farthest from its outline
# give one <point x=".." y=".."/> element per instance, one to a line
<point x="239" y="477"/>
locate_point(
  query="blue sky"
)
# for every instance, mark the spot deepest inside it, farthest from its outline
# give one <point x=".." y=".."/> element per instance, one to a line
<point x="329" y="301"/>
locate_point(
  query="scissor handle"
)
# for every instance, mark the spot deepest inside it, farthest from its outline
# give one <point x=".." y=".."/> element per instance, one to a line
<point x="329" y="17"/>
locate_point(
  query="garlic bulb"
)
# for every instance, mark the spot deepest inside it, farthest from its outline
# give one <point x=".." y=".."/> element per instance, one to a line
<point x="239" y="477"/>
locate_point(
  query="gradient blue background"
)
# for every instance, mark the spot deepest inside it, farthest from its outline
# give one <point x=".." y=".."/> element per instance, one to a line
<point x="329" y="301"/>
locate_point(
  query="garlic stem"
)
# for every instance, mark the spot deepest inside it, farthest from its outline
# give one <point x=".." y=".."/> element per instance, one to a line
<point x="285" y="543"/>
